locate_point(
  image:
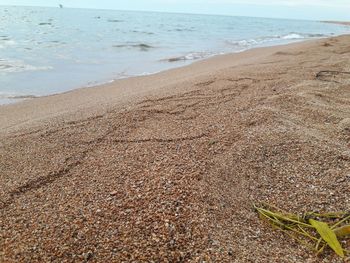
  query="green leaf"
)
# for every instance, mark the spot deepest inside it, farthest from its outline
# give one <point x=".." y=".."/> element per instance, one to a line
<point x="328" y="236"/>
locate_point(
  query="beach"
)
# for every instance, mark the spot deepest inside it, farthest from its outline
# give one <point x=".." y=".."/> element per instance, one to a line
<point x="47" y="50"/>
<point x="338" y="22"/>
<point x="167" y="167"/>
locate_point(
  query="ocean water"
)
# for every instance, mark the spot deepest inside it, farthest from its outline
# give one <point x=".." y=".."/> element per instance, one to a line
<point x="51" y="50"/>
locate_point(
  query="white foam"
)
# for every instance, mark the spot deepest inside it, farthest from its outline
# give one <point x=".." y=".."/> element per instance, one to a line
<point x="293" y="36"/>
<point x="14" y="95"/>
<point x="190" y="56"/>
<point x="16" y="65"/>
<point x="248" y="43"/>
<point x="7" y="43"/>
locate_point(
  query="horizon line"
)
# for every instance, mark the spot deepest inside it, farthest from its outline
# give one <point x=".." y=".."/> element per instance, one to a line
<point x="165" y="12"/>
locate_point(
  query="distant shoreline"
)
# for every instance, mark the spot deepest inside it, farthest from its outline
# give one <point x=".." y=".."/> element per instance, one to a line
<point x="337" y="22"/>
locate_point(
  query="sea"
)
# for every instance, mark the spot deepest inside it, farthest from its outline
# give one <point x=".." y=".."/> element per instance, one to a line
<point x="46" y="51"/>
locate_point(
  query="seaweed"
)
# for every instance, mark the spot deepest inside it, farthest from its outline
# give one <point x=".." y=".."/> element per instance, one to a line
<point x="315" y="231"/>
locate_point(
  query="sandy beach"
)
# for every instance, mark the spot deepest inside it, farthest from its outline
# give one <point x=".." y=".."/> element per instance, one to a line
<point x="338" y="22"/>
<point x="166" y="167"/>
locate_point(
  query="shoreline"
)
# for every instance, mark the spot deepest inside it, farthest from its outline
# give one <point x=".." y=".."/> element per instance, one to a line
<point x="344" y="23"/>
<point x="5" y="109"/>
<point x="19" y="98"/>
<point x="189" y="62"/>
<point x="167" y="167"/>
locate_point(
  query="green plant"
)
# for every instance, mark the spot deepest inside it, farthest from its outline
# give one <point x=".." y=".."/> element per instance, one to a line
<point x="314" y="230"/>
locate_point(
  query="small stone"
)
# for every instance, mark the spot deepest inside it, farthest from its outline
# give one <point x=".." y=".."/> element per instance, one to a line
<point x="88" y="256"/>
<point x="114" y="193"/>
<point x="230" y="252"/>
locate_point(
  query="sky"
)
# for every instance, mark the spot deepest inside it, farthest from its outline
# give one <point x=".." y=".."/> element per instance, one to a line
<point x="294" y="9"/>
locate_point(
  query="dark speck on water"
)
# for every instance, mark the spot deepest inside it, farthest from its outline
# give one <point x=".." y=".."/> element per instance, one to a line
<point x="114" y="20"/>
<point x="142" y="32"/>
<point x="44" y="24"/>
<point x="142" y="47"/>
<point x="5" y="66"/>
<point x="181" y="30"/>
<point x="58" y="42"/>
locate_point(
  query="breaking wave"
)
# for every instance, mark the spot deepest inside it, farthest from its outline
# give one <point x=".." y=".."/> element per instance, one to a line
<point x="190" y="56"/>
<point x="245" y="43"/>
<point x="16" y="96"/>
<point x="6" y="41"/>
<point x="12" y="66"/>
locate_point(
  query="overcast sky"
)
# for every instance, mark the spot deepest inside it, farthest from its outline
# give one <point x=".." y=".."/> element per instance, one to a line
<point x="299" y="9"/>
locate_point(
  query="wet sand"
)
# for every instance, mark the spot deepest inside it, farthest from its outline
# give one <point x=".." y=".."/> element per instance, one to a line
<point x="166" y="168"/>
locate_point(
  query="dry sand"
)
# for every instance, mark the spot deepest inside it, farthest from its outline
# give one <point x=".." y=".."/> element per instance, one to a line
<point x="165" y="168"/>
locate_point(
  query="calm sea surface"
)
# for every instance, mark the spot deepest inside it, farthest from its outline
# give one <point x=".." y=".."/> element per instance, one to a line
<point x="50" y="50"/>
